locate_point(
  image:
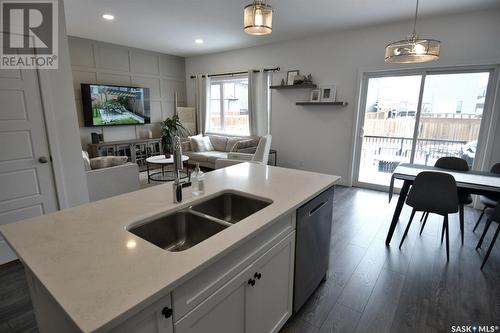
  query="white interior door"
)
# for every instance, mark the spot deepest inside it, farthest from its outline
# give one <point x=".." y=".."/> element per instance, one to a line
<point x="26" y="179"/>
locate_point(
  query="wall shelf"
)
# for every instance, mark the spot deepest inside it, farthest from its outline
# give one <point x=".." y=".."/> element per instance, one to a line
<point x="323" y="103"/>
<point x="296" y="86"/>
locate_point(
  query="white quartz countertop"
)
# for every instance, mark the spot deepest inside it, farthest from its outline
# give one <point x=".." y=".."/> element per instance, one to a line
<point x="100" y="273"/>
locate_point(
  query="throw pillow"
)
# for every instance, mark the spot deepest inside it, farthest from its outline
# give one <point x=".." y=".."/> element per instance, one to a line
<point x="193" y="141"/>
<point x="242" y="144"/>
<point x="107" y="161"/>
<point x="218" y="142"/>
<point x="231" y="143"/>
<point x="201" y="143"/>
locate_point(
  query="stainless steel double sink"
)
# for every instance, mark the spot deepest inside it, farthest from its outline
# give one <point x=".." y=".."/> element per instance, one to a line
<point x="185" y="228"/>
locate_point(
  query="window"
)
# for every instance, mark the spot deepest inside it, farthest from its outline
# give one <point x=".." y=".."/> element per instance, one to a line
<point x="228" y="110"/>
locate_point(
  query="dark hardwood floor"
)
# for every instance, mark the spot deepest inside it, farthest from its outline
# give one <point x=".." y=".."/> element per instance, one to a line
<point x="374" y="288"/>
<point x="369" y="287"/>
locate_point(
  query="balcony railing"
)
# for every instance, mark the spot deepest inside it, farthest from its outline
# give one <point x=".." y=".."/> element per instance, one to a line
<point x="388" y="152"/>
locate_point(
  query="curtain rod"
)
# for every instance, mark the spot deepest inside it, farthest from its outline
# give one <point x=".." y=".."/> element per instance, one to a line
<point x="236" y="73"/>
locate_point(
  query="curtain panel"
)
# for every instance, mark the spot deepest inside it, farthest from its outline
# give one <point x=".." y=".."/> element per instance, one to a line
<point x="259" y="102"/>
<point x="202" y="102"/>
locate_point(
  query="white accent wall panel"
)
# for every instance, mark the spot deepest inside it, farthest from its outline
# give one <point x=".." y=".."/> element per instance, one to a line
<point x="99" y="62"/>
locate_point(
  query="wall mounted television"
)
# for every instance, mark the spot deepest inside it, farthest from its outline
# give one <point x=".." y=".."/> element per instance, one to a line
<point x="110" y="105"/>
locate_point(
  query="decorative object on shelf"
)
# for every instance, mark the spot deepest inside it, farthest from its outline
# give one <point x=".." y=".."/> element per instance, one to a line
<point x="258" y="18"/>
<point x="413" y="49"/>
<point x="315" y="95"/>
<point x="290" y="76"/>
<point x="94" y="137"/>
<point x="308" y="79"/>
<point x="170" y="127"/>
<point x="298" y="80"/>
<point x="328" y="93"/>
<point x="283" y="82"/>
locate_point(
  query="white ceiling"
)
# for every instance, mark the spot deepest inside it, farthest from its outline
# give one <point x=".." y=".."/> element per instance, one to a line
<point x="171" y="26"/>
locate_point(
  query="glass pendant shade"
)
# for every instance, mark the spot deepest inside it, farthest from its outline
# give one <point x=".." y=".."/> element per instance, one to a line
<point x="412" y="50"/>
<point x="258" y="19"/>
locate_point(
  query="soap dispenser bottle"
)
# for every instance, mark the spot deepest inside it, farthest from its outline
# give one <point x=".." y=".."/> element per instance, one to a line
<point x="198" y="181"/>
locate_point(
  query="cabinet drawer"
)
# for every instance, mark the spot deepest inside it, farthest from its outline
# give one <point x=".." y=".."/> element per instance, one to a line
<point x="197" y="289"/>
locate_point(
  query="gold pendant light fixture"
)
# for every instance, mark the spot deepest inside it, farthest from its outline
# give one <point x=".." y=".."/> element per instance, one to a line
<point x="413" y="49"/>
<point x="258" y="18"/>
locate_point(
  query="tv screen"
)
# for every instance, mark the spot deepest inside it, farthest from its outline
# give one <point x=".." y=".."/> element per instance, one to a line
<point x="109" y="105"/>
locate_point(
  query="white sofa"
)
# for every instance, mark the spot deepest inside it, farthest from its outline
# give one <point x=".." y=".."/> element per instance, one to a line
<point x="261" y="155"/>
<point x="107" y="182"/>
<point x="222" y="146"/>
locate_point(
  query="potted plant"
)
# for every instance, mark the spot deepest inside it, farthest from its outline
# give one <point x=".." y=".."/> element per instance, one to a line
<point x="170" y="127"/>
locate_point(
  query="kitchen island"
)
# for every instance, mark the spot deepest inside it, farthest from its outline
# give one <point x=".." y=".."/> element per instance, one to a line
<point x="87" y="272"/>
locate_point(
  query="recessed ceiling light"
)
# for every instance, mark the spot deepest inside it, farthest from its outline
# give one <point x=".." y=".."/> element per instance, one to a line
<point x="199" y="41"/>
<point x="108" y="17"/>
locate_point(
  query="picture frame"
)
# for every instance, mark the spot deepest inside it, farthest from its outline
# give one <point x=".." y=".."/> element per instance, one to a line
<point x="328" y="93"/>
<point x="315" y="95"/>
<point x="290" y="75"/>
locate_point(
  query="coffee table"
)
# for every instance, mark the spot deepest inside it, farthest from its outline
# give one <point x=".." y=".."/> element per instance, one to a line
<point x="165" y="176"/>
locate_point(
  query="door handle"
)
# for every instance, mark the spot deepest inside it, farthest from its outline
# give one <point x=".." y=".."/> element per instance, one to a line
<point x="318" y="207"/>
<point x="167" y="312"/>
<point x="43" y="159"/>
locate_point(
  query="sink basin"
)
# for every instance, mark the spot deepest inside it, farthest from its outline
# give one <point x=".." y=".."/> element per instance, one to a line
<point x="178" y="231"/>
<point x="231" y="207"/>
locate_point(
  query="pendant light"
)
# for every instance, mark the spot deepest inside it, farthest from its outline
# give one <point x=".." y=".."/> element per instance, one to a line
<point x="413" y="49"/>
<point x="258" y="18"/>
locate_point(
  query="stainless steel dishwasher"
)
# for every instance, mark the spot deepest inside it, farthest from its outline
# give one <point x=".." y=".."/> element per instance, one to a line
<point x="312" y="246"/>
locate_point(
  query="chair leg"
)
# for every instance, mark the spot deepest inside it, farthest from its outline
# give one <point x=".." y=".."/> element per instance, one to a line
<point x="423" y="224"/>
<point x="442" y="233"/>
<point x="491" y="246"/>
<point x="407" y="227"/>
<point x="479" y="219"/>
<point x="486" y="227"/>
<point x="447" y="239"/>
<point x="461" y="213"/>
<point x="423" y="216"/>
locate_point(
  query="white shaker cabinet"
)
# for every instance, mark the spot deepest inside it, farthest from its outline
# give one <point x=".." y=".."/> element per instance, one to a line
<point x="257" y="300"/>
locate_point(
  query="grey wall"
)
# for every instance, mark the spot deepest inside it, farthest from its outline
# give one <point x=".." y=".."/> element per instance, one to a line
<point x="321" y="138"/>
<point x="98" y="62"/>
<point x="62" y="125"/>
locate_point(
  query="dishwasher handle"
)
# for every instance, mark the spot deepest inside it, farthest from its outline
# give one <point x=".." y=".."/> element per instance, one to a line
<point x="317" y="208"/>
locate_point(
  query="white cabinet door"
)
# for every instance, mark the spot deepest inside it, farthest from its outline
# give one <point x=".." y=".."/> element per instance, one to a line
<point x="156" y="318"/>
<point x="269" y="300"/>
<point x="224" y="311"/>
<point x="247" y="303"/>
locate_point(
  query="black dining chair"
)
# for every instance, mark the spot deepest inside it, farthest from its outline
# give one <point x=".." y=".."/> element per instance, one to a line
<point x="464" y="197"/>
<point x="433" y="193"/>
<point x="489" y="201"/>
<point x="493" y="215"/>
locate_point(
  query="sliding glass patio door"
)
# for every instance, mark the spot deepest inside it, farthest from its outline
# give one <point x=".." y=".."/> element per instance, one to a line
<point x="418" y="118"/>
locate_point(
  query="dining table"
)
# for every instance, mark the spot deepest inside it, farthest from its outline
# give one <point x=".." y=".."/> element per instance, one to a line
<point x="474" y="182"/>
